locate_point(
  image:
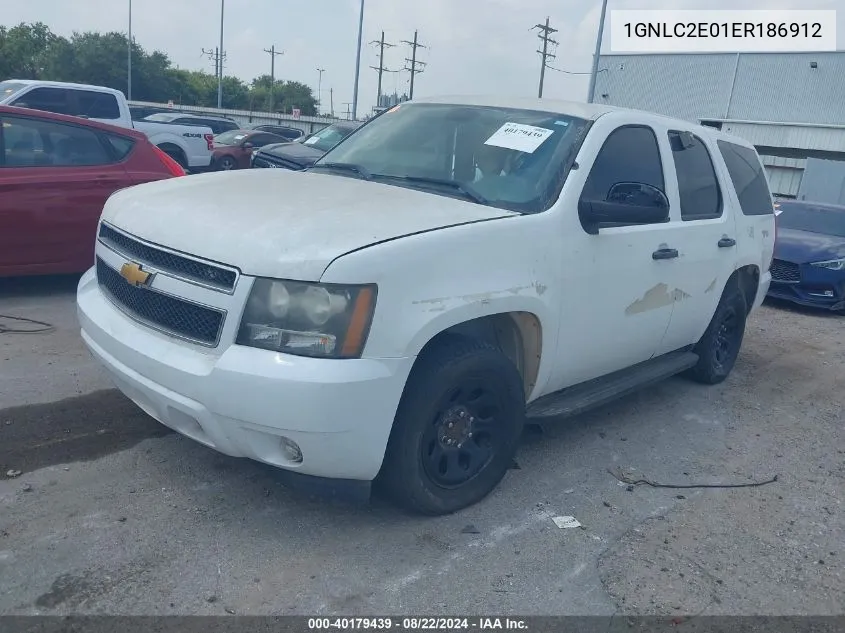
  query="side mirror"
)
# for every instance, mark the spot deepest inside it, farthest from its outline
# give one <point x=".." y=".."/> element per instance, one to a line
<point x="626" y="203"/>
<point x="248" y="145"/>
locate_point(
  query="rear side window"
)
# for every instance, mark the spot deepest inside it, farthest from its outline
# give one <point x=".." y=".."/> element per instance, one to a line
<point x="120" y="145"/>
<point x="97" y="105"/>
<point x="630" y="154"/>
<point x="36" y="143"/>
<point x="701" y="198"/>
<point x="748" y="178"/>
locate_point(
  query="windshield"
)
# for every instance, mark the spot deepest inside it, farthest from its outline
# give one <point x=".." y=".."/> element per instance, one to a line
<point x="8" y="88"/>
<point x="812" y="218"/>
<point x="232" y="137"/>
<point x="507" y="158"/>
<point x="327" y="138"/>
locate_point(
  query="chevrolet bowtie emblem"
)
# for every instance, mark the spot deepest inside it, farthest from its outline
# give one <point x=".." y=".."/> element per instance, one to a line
<point x="132" y="273"/>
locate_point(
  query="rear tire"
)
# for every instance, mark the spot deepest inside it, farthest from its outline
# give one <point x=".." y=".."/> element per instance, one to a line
<point x="456" y="429"/>
<point x="719" y="348"/>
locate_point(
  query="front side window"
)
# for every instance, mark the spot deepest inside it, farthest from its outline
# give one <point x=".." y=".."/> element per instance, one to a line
<point x="508" y="158"/>
<point x="629" y="155"/>
<point x="35" y="143"/>
<point x="698" y="186"/>
<point x="748" y="178"/>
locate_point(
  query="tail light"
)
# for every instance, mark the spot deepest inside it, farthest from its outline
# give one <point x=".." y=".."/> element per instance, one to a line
<point x="173" y="167"/>
<point x="209" y="139"/>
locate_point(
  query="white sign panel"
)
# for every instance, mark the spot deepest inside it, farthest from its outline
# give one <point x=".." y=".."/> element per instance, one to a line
<point x="523" y="138"/>
<point x="722" y="31"/>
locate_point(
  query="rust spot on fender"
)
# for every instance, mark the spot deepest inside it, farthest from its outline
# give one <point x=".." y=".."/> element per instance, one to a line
<point x="655" y="298"/>
<point x="710" y="287"/>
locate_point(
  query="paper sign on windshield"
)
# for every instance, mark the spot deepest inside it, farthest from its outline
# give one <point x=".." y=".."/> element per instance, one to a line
<point x="311" y="141"/>
<point x="523" y="138"/>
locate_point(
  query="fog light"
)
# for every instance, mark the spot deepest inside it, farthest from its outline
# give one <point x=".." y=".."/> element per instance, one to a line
<point x="291" y="450"/>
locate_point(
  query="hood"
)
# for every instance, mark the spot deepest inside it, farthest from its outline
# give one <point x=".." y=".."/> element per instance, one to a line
<point x="803" y="247"/>
<point x="279" y="223"/>
<point x="296" y="152"/>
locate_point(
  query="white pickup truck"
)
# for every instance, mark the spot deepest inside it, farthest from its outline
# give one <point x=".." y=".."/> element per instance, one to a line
<point x="190" y="146"/>
<point x="396" y="312"/>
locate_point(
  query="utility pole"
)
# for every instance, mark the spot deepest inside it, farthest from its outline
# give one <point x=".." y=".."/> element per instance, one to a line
<point x="129" y="58"/>
<point x="331" y="102"/>
<point x="347" y="110"/>
<point x="413" y="61"/>
<point x="545" y="32"/>
<point x="220" y="57"/>
<point x="358" y="62"/>
<point x="273" y="54"/>
<point x="320" y="89"/>
<point x="592" y="91"/>
<point x="380" y="68"/>
<point x="214" y="55"/>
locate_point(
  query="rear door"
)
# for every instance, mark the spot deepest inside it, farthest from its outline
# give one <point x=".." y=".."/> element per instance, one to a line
<point x="54" y="181"/>
<point x="705" y="236"/>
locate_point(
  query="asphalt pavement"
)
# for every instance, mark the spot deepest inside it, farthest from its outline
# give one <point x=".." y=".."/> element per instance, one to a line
<point x="113" y="514"/>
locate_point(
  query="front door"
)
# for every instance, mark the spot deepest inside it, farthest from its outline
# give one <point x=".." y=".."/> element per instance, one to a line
<point x="54" y="181"/>
<point x="618" y="302"/>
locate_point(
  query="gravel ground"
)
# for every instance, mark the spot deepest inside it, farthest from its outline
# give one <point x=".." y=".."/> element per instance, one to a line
<point x="113" y="514"/>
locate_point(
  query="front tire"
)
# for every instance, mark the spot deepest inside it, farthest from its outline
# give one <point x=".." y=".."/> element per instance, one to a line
<point x="719" y="348"/>
<point x="227" y="163"/>
<point x="456" y="429"/>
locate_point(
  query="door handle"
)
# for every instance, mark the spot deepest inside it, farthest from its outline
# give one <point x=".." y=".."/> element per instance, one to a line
<point x="665" y="253"/>
<point x="726" y="242"/>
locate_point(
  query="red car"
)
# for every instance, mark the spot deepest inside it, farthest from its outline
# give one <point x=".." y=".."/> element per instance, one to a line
<point x="233" y="149"/>
<point x="56" y="173"/>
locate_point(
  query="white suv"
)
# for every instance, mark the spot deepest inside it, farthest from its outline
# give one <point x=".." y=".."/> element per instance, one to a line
<point x="395" y="313"/>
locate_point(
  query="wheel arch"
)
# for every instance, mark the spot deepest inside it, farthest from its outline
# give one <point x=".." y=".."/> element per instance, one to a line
<point x="175" y="152"/>
<point x="518" y="334"/>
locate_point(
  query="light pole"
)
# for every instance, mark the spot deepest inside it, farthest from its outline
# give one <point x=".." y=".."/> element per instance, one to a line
<point x="129" y="57"/>
<point x="220" y="60"/>
<point x="592" y="91"/>
<point x="358" y="63"/>
<point x="320" y="89"/>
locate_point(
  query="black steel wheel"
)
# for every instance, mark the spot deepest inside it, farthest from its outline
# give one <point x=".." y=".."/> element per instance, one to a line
<point x="457" y="427"/>
<point x="719" y="348"/>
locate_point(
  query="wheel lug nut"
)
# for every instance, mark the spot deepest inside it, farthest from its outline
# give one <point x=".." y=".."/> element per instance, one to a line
<point x="469" y="435"/>
<point x="451" y="424"/>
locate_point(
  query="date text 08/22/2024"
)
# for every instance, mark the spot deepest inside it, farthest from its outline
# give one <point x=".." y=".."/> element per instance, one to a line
<point x="417" y="624"/>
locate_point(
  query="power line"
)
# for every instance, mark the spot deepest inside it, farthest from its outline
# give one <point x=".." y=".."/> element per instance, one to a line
<point x="413" y="61"/>
<point x="380" y="68"/>
<point x="273" y="54"/>
<point x="545" y="32"/>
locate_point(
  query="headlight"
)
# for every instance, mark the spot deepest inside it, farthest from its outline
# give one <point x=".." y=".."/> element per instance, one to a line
<point x="833" y="264"/>
<point x="318" y="320"/>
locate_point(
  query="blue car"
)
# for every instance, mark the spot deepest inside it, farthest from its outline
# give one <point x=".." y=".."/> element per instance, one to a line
<point x="809" y="263"/>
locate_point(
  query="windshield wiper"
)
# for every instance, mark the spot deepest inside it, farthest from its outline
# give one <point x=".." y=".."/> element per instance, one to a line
<point x="462" y="188"/>
<point x="348" y="167"/>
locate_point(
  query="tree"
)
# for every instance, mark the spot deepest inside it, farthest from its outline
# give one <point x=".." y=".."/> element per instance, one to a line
<point x="25" y="50"/>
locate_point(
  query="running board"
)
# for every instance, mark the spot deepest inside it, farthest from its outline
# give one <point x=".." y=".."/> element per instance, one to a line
<point x="594" y="393"/>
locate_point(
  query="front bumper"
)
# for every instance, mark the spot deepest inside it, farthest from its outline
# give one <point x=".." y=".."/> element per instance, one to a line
<point x="243" y="401"/>
<point x="818" y="288"/>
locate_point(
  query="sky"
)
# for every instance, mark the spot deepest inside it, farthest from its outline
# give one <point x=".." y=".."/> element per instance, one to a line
<point x="472" y="46"/>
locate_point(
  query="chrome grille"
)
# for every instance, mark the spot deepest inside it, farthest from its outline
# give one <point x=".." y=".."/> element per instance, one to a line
<point x="165" y="261"/>
<point x="160" y="311"/>
<point x="785" y="271"/>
